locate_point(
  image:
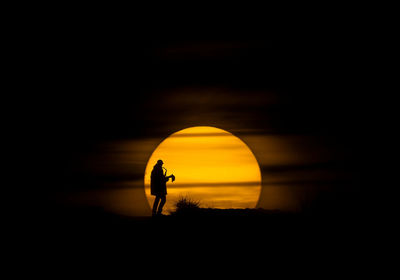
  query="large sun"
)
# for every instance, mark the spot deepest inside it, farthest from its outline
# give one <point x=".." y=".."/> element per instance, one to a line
<point x="211" y="166"/>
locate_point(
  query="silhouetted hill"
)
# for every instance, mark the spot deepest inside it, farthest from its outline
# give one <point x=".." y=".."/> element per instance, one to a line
<point x="233" y="213"/>
<point x="187" y="238"/>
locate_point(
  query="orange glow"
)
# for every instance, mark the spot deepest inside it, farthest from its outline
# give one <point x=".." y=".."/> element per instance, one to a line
<point x="211" y="165"/>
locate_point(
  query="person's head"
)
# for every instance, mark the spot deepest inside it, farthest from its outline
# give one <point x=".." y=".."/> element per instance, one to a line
<point x="160" y="162"/>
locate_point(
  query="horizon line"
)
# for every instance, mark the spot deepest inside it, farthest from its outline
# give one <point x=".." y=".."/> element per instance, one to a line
<point x="216" y="184"/>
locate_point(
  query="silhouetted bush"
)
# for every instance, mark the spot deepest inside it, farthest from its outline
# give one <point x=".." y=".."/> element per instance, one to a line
<point x="186" y="205"/>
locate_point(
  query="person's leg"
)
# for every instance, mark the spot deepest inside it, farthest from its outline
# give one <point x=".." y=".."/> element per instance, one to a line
<point x="160" y="207"/>
<point x="155" y="204"/>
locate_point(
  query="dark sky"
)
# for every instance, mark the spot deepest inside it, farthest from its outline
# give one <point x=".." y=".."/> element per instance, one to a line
<point x="294" y="98"/>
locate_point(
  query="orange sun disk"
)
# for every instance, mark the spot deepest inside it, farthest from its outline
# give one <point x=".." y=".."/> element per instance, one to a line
<point x="211" y="166"/>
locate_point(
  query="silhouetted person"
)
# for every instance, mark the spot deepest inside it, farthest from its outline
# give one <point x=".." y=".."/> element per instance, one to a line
<point x="158" y="186"/>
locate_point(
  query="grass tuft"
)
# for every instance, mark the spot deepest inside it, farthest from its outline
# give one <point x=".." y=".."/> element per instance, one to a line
<point x="186" y="205"/>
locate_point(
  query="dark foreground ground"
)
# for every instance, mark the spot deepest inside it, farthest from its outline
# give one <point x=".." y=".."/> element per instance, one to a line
<point x="247" y="227"/>
<point x="206" y="243"/>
